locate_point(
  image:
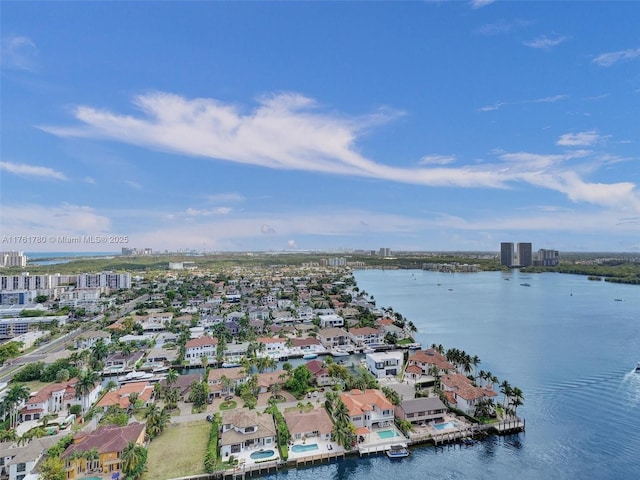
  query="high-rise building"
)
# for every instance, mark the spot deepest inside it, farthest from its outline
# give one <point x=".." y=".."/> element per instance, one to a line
<point x="111" y="280"/>
<point x="13" y="259"/>
<point x="384" y="252"/>
<point x="506" y="254"/>
<point x="524" y="255"/>
<point x="547" y="258"/>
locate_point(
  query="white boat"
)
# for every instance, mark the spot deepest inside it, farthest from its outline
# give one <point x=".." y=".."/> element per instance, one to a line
<point x="163" y="368"/>
<point x="135" y="377"/>
<point x="397" y="451"/>
<point x="638" y="368"/>
<point x="368" y="350"/>
<point x="336" y="352"/>
<point x="230" y="365"/>
<point x="310" y="356"/>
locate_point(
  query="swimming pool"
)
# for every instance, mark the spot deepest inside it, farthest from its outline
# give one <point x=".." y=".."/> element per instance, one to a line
<point x="304" y="448"/>
<point x="384" y="434"/>
<point x="445" y="425"/>
<point x="262" y="454"/>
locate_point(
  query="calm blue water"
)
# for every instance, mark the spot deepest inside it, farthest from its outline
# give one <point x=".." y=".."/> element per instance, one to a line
<point x="564" y="341"/>
<point x="55" y="258"/>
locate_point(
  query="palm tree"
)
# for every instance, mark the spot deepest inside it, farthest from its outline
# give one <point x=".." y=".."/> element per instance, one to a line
<point x="9" y="435"/>
<point x="341" y="413"/>
<point x="172" y="378"/>
<point x="505" y="388"/>
<point x="133" y="458"/>
<point x="16" y="395"/>
<point x="517" y="399"/>
<point x="91" y="456"/>
<point x="86" y="383"/>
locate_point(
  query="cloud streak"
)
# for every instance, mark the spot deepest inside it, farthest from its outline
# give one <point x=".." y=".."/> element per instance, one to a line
<point x="545" y="42"/>
<point x="19" y="53"/>
<point x="611" y="58"/>
<point x="580" y="139"/>
<point x="26" y="170"/>
<point x="499" y="105"/>
<point x="289" y="131"/>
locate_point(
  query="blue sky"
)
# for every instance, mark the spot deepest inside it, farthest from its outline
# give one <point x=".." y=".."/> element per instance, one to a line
<point x="309" y="125"/>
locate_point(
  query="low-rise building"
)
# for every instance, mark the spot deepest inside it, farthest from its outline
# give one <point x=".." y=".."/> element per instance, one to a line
<point x="369" y="408"/>
<point x="464" y="393"/>
<point x="243" y="429"/>
<point x="421" y="410"/>
<point x="315" y="423"/>
<point x="366" y="336"/>
<point x="196" y="348"/>
<point x="385" y="364"/>
<point x="333" y="337"/>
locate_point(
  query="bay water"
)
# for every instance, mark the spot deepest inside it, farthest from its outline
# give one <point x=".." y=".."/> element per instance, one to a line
<point x="569" y="343"/>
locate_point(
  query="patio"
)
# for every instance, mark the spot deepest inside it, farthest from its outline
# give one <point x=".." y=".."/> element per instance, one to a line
<point x="379" y="436"/>
<point x="324" y="447"/>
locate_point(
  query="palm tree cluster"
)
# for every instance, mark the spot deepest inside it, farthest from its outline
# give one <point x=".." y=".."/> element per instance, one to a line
<point x="157" y="420"/>
<point x="343" y="430"/>
<point x="462" y="360"/>
<point x="13" y="400"/>
<point x="513" y="398"/>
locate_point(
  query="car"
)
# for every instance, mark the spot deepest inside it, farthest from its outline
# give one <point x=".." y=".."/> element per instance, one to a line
<point x="315" y="394"/>
<point x="228" y="397"/>
<point x="309" y="395"/>
<point x="209" y="418"/>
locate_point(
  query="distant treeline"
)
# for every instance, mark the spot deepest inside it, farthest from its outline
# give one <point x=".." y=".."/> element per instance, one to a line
<point x="615" y="271"/>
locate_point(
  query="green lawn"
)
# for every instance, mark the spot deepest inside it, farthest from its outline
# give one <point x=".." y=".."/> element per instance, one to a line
<point x="229" y="405"/>
<point x="185" y="444"/>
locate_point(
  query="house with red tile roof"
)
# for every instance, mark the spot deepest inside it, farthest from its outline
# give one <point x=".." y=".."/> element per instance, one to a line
<point x="315" y="423"/>
<point x="425" y="359"/>
<point x="120" y="397"/>
<point x="366" y="336"/>
<point x="464" y="393"/>
<point x="236" y="375"/>
<point x="246" y="429"/>
<point x="320" y="373"/>
<point x="55" y="398"/>
<point x="196" y="348"/>
<point x="369" y="408"/>
<point x="109" y="442"/>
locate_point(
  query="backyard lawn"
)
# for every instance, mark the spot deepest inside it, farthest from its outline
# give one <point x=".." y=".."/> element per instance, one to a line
<point x="185" y="444"/>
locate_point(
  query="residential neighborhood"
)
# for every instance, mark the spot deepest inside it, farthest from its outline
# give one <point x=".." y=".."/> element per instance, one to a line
<point x="285" y="365"/>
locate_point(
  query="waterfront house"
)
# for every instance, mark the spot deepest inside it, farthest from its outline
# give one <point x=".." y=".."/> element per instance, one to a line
<point x="301" y="346"/>
<point x="217" y="388"/>
<point x="273" y="347"/>
<point x="183" y="384"/>
<point x="385" y="364"/>
<point x="333" y="337"/>
<point x="366" y="336"/>
<point x="268" y="379"/>
<point x="369" y="408"/>
<point x="320" y="373"/>
<point x="118" y="361"/>
<point x="245" y="429"/>
<point x="203" y="346"/>
<point x="421" y="410"/>
<point x="465" y="395"/>
<point x="315" y="423"/>
<point x="427" y="359"/>
<point x="56" y="397"/>
<point x="109" y="442"/>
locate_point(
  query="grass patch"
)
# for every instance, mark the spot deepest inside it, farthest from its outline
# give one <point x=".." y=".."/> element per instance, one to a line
<point x="35" y="385"/>
<point x="231" y="404"/>
<point x="405" y="341"/>
<point x="185" y="444"/>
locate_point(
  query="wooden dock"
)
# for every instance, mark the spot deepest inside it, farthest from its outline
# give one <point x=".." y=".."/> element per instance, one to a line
<point x="310" y="460"/>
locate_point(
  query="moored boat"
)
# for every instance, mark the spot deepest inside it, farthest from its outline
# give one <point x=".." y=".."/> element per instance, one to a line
<point x="397" y="451"/>
<point x="230" y="365"/>
<point x="638" y="368"/>
<point x="336" y="352"/>
<point x="310" y="356"/>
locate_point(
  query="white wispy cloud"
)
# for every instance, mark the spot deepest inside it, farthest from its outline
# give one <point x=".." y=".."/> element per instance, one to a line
<point x="195" y="212"/>
<point x="53" y="220"/>
<point x="502" y="26"/>
<point x="288" y="131"/>
<point x="499" y="105"/>
<point x="611" y="58"/>
<point x="437" y="159"/>
<point x="26" y="170"/>
<point x="580" y="139"/>
<point x="19" y="53"/>
<point x="475" y="4"/>
<point x="90" y="180"/>
<point x="545" y="42"/>
<point x="229" y="197"/>
<point x="133" y="184"/>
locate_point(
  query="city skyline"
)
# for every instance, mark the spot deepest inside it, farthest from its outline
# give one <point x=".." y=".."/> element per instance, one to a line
<point x="418" y="126"/>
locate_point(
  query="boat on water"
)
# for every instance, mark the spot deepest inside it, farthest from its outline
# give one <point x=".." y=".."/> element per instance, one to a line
<point x="336" y="352"/>
<point x="136" y="376"/>
<point x="230" y="364"/>
<point x="397" y="451"/>
<point x="638" y="368"/>
<point x="525" y="284"/>
<point x="369" y="350"/>
<point x="163" y="368"/>
<point x="310" y="356"/>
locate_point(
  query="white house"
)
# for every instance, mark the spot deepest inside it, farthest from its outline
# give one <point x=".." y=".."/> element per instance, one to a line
<point x="243" y="429"/>
<point x="366" y="336"/>
<point x="331" y="320"/>
<point x="196" y="348"/>
<point x="460" y="390"/>
<point x="369" y="408"/>
<point x="385" y="364"/>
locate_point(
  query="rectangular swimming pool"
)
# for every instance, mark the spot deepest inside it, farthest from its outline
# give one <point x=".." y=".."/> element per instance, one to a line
<point x="445" y="425"/>
<point x="385" y="434"/>
<point x="304" y="448"/>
